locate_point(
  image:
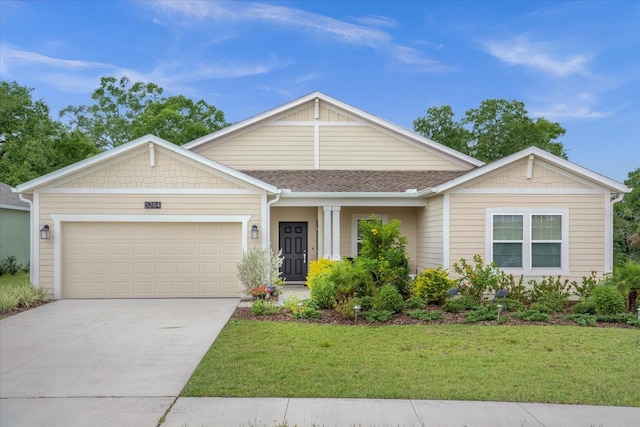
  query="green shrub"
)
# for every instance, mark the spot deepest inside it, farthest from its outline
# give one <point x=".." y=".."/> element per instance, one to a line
<point x="424" y="315"/>
<point x="415" y="303"/>
<point x="432" y="285"/>
<point x="517" y="290"/>
<point x="480" y="314"/>
<point x="583" y="319"/>
<point x="608" y="300"/>
<point x="588" y="284"/>
<point x="308" y="311"/>
<point x="317" y="267"/>
<point x="260" y="307"/>
<point x="584" y="307"/>
<point x="350" y="278"/>
<point x="377" y="315"/>
<point x="365" y="303"/>
<point x="532" y="316"/>
<point x="549" y="287"/>
<point x="557" y="303"/>
<point x="508" y="304"/>
<point x="8" y="301"/>
<point x="9" y="265"/>
<point x="478" y="278"/>
<point x="389" y="299"/>
<point x="259" y="267"/>
<point x="453" y="306"/>
<point x="346" y="308"/>
<point x="541" y="307"/>
<point x="617" y="318"/>
<point x="323" y="292"/>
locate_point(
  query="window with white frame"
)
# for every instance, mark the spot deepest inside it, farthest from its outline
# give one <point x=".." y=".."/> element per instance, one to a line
<point x="356" y="237"/>
<point x="529" y="241"/>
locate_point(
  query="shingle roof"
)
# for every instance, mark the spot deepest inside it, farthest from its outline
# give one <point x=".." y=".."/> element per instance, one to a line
<point x="9" y="198"/>
<point x="340" y="181"/>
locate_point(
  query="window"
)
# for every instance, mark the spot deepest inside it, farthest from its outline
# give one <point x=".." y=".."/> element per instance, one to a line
<point x="356" y="238"/>
<point x="528" y="241"/>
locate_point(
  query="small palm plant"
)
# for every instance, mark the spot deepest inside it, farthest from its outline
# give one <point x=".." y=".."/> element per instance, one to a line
<point x="627" y="277"/>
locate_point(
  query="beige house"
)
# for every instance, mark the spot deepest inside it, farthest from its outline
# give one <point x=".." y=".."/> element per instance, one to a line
<point x="152" y="219"/>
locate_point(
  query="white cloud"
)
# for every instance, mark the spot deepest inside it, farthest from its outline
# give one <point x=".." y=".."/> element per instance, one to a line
<point x="573" y="107"/>
<point x="377" y="21"/>
<point x="541" y="56"/>
<point x="345" y="32"/>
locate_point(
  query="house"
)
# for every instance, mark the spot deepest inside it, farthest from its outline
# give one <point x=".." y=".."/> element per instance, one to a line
<point x="14" y="226"/>
<point x="152" y="219"/>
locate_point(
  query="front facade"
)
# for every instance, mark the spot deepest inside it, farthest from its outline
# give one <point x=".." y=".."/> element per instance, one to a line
<point x="151" y="219"/>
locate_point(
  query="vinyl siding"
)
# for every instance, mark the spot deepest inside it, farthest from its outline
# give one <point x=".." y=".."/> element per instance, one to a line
<point x="265" y="148"/>
<point x="133" y="204"/>
<point x="429" y="246"/>
<point x="586" y="226"/>
<point x="365" y="148"/>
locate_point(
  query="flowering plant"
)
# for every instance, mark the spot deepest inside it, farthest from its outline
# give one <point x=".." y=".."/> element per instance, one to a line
<point x="478" y="278"/>
<point x="263" y="292"/>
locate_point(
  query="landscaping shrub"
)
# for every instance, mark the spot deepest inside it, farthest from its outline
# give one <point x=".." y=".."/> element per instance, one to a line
<point x="555" y="302"/>
<point x="261" y="307"/>
<point x="617" y="318"/>
<point x="308" y="311"/>
<point x="531" y="315"/>
<point x="9" y="265"/>
<point x="627" y="278"/>
<point x="480" y="314"/>
<point x="424" y="315"/>
<point x="389" y="299"/>
<point x="453" y="306"/>
<point x="588" y="284"/>
<point x="384" y="248"/>
<point x="350" y="278"/>
<point x="432" y="285"/>
<point x="345" y="308"/>
<point x="317" y="267"/>
<point x="415" y="303"/>
<point x="259" y="267"/>
<point x="584" y="307"/>
<point x="478" y="278"/>
<point x="323" y="292"/>
<point x="608" y="300"/>
<point x="541" y="307"/>
<point x="508" y="304"/>
<point x="517" y="290"/>
<point x="377" y="315"/>
<point x="583" y="319"/>
<point x="549" y="287"/>
<point x="365" y="303"/>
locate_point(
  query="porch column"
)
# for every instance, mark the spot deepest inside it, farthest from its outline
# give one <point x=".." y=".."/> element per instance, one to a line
<point x="335" y="248"/>
<point x="326" y="232"/>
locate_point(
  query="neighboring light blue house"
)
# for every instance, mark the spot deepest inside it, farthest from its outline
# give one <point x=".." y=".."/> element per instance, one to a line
<point x="14" y="226"/>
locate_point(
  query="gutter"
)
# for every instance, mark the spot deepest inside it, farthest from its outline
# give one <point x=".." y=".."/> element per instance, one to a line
<point x="268" y="216"/>
<point x="33" y="264"/>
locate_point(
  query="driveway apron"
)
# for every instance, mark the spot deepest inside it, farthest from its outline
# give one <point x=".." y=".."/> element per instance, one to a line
<point x="103" y="362"/>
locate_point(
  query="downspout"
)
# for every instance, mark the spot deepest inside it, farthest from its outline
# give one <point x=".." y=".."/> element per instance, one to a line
<point x="268" y="221"/>
<point x="32" y="245"/>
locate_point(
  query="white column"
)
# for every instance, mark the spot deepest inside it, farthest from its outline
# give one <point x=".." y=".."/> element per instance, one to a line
<point x="326" y="236"/>
<point x="335" y="249"/>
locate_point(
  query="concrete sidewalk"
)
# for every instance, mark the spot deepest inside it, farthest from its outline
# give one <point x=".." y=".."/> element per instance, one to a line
<point x="263" y="412"/>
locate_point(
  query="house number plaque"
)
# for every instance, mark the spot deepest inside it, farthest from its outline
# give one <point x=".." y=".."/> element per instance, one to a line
<point x="152" y="205"/>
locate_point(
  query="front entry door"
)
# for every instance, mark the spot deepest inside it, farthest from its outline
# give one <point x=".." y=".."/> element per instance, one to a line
<point x="293" y="243"/>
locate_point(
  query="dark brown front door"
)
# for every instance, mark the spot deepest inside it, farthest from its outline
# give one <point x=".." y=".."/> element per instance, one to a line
<point x="293" y="243"/>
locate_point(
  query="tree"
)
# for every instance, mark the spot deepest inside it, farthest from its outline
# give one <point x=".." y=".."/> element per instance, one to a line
<point x="626" y="222"/>
<point x="122" y="112"/>
<point x="497" y="128"/>
<point x="31" y="143"/>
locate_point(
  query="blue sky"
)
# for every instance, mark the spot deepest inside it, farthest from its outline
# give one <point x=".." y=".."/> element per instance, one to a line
<point x="577" y="63"/>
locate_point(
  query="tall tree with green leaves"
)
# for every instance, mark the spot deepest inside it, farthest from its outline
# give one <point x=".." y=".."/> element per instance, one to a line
<point x="123" y="111"/>
<point x="31" y="143"/>
<point x="626" y="222"/>
<point x="497" y="128"/>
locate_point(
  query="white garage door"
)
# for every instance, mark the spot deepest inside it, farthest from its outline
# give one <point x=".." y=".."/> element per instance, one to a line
<point x="150" y="260"/>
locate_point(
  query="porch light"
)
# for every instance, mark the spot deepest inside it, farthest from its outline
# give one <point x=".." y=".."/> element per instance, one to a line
<point x="254" y="232"/>
<point x="44" y="232"/>
<point x="499" y="311"/>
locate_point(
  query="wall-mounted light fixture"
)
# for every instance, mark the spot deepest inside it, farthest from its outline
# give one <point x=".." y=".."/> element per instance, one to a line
<point x="44" y="232"/>
<point x="254" y="232"/>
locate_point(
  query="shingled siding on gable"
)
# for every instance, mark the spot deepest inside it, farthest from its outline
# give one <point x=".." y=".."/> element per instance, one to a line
<point x="516" y="177"/>
<point x="136" y="172"/>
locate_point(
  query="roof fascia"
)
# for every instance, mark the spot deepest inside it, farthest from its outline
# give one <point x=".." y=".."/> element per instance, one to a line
<point x="348" y="195"/>
<point x="545" y="155"/>
<point x="102" y="157"/>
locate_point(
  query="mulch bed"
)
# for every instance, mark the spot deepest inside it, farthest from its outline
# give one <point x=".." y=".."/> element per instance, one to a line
<point x="332" y="317"/>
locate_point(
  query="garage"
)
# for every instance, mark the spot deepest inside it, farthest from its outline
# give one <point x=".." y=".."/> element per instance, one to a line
<point x="150" y="259"/>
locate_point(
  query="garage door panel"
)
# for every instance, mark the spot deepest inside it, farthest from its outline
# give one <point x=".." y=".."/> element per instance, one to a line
<point x="164" y="260"/>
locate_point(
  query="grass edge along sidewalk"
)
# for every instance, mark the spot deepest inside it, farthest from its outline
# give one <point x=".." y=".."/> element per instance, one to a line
<point x="544" y="364"/>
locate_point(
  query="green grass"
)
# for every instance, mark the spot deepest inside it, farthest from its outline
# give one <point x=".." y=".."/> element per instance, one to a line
<point x="16" y="291"/>
<point x="558" y="364"/>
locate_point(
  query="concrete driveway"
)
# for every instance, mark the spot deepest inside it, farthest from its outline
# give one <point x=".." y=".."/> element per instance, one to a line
<point x="103" y="362"/>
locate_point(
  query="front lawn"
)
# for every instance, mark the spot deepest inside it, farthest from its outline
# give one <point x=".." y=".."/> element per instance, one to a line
<point x="555" y="364"/>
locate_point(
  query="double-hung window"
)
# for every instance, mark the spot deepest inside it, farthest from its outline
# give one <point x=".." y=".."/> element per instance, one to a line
<point x="528" y="241"/>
